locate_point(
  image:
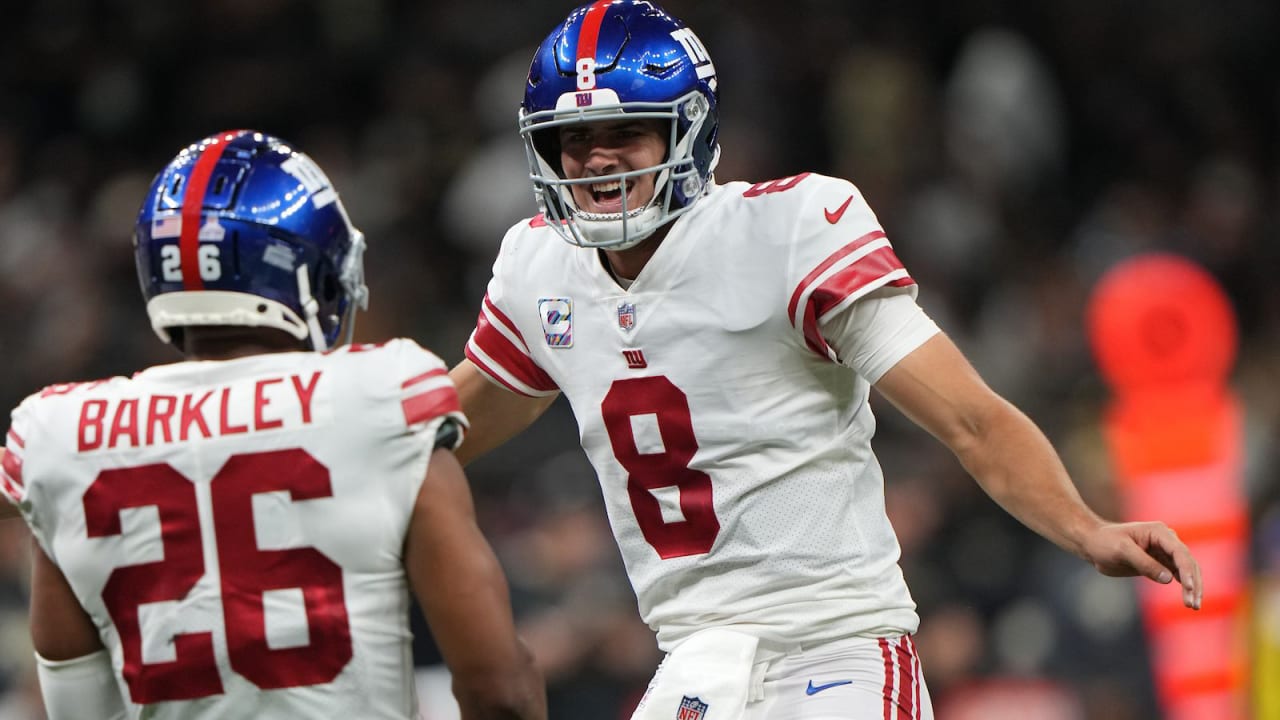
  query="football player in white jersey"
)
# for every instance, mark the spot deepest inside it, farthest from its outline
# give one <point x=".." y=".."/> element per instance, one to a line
<point x="717" y="344"/>
<point x="235" y="535"/>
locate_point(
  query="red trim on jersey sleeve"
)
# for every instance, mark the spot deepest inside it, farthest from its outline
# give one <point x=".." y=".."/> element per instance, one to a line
<point x="825" y="264"/>
<point x="10" y="491"/>
<point x="12" y="469"/>
<point x="487" y="369"/>
<point x="502" y="318"/>
<point x="430" y="405"/>
<point x="866" y="271"/>
<point x="423" y="377"/>
<point x="16" y="439"/>
<point x="864" y="274"/>
<point x="512" y="357"/>
<point x="484" y="367"/>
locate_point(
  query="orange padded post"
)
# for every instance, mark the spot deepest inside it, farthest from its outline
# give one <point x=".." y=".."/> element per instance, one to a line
<point x="1164" y="336"/>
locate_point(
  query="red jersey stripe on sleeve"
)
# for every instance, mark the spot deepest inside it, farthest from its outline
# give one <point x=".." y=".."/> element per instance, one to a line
<point x="12" y="467"/>
<point x="16" y="439"/>
<point x="832" y="259"/>
<point x="508" y="355"/>
<point x="430" y="405"/>
<point x="499" y="374"/>
<point x="861" y="266"/>
<point x="859" y="276"/>
<point x="13" y="493"/>
<point x="423" y="377"/>
<point x="506" y="323"/>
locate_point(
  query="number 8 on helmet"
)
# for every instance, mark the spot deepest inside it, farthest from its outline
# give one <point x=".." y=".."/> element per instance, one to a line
<point x="609" y="60"/>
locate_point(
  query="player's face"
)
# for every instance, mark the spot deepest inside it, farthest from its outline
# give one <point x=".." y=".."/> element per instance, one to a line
<point x="609" y="147"/>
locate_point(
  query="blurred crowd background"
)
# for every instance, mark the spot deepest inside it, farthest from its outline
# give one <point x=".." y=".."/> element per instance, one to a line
<point x="1013" y="151"/>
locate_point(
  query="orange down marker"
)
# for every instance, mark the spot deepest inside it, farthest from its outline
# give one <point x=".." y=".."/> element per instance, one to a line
<point x="1164" y="336"/>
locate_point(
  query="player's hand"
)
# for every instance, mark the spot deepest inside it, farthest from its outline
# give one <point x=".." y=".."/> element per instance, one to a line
<point x="1150" y="549"/>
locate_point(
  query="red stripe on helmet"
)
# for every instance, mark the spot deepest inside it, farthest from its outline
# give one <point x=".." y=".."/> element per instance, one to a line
<point x="590" y="32"/>
<point x="192" y="204"/>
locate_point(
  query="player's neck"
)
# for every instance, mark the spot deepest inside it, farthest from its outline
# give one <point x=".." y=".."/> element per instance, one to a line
<point x="227" y="343"/>
<point x="627" y="264"/>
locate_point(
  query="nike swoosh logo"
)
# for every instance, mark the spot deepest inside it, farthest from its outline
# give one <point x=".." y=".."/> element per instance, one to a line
<point x="815" y="689"/>
<point x="834" y="217"/>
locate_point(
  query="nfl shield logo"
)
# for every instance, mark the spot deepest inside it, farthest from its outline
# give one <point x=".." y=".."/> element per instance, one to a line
<point x="691" y="709"/>
<point x="626" y="315"/>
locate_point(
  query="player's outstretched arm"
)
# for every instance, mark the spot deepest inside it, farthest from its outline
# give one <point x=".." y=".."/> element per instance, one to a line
<point x="1016" y="465"/>
<point x="76" y="679"/>
<point x="463" y="594"/>
<point x="496" y="414"/>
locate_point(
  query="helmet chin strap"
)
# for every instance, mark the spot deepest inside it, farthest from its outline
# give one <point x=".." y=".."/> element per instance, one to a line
<point x="310" y="310"/>
<point x="619" y="233"/>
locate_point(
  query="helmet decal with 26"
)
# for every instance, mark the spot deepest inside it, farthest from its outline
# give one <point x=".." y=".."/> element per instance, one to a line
<point x="614" y="59"/>
<point x="241" y="229"/>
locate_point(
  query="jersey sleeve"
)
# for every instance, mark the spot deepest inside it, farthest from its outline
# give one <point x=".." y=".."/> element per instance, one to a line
<point x="840" y="255"/>
<point x="15" y="447"/>
<point x="875" y="333"/>
<point x="496" y="346"/>
<point x="17" y="480"/>
<point x="426" y="393"/>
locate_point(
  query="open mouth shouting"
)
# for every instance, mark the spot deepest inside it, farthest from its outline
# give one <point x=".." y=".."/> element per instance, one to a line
<point x="606" y="197"/>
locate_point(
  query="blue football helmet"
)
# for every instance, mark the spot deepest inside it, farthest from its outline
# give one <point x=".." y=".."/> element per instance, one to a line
<point x="608" y="60"/>
<point x="241" y="229"/>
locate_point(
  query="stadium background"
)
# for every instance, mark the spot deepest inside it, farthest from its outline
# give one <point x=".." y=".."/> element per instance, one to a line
<point x="1014" y="151"/>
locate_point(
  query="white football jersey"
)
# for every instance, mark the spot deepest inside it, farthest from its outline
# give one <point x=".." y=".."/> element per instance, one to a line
<point x="235" y="529"/>
<point x="732" y="447"/>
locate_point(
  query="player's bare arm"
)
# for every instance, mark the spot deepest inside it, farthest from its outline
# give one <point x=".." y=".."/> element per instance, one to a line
<point x="464" y="596"/>
<point x="60" y="628"/>
<point x="496" y="413"/>
<point x="1016" y="465"/>
<point x="74" y="668"/>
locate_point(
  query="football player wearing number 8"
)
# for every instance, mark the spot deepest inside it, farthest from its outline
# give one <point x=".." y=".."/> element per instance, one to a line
<point x="235" y="535"/>
<point x="717" y="344"/>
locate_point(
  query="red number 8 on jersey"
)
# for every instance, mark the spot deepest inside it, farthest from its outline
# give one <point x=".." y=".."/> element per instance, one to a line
<point x="648" y="471"/>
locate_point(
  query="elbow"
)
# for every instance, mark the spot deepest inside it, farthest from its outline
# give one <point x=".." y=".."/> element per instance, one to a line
<point x="508" y="694"/>
<point x="975" y="436"/>
<point x="967" y="436"/>
<point x="498" y="705"/>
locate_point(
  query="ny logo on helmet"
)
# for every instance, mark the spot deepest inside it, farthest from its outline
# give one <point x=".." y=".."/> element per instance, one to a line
<point x="697" y="53"/>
